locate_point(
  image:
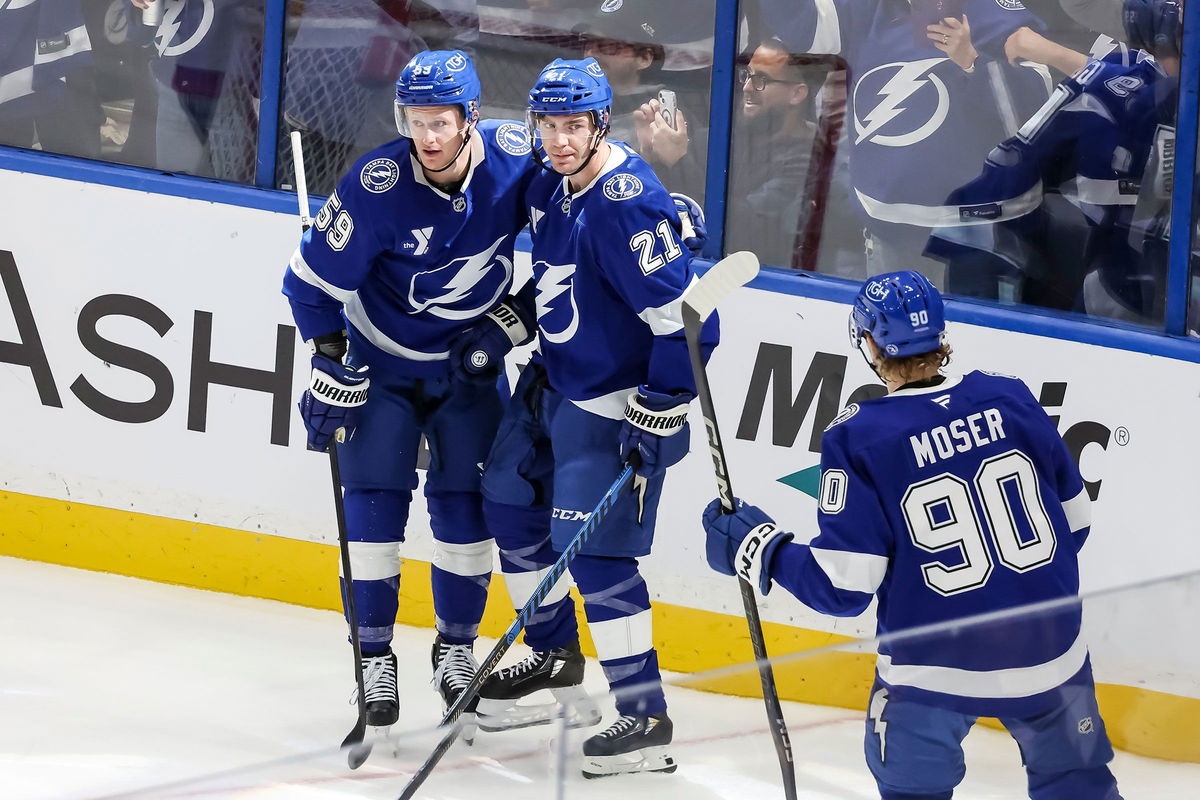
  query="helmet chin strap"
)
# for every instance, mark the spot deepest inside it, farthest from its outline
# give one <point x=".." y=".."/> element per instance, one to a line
<point x="412" y="147"/>
<point x="597" y="135"/>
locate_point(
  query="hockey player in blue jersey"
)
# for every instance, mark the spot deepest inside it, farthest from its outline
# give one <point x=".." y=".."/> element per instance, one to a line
<point x="413" y="248"/>
<point x="612" y="384"/>
<point x="1105" y="139"/>
<point x="949" y="497"/>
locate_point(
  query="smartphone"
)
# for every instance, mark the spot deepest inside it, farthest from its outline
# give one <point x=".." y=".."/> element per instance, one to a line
<point x="666" y="106"/>
<point x="931" y="12"/>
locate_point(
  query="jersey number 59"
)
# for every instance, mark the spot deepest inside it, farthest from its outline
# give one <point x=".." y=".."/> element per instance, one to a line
<point x="337" y="235"/>
<point x="941" y="513"/>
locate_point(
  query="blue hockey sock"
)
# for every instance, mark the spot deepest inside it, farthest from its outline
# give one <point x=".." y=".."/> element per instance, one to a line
<point x="375" y="521"/>
<point x="462" y="563"/>
<point x="523" y="535"/>
<point x="617" y="605"/>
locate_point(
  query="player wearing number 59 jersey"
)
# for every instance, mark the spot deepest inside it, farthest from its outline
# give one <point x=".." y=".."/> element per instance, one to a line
<point x="412" y="253"/>
<point x="947" y="498"/>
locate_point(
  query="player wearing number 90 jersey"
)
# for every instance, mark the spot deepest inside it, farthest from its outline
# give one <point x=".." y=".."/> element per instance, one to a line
<point x="948" y="498"/>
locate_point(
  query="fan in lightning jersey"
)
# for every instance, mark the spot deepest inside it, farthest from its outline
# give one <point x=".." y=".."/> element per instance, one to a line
<point x="410" y="255"/>
<point x="1106" y="140"/>
<point x="921" y="110"/>
<point x="44" y="45"/>
<point x="946" y="499"/>
<point x="612" y="386"/>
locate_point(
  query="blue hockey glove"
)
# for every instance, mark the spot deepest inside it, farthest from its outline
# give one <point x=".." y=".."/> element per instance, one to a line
<point x="695" y="232"/>
<point x="330" y="403"/>
<point x="477" y="354"/>
<point x="742" y="543"/>
<point x="656" y="427"/>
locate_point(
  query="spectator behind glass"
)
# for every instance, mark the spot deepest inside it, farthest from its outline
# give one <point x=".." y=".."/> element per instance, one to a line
<point x="627" y="38"/>
<point x="47" y="94"/>
<point x="932" y="92"/>
<point x="339" y="83"/>
<point x="1106" y="138"/>
<point x="773" y="140"/>
<point x="207" y="72"/>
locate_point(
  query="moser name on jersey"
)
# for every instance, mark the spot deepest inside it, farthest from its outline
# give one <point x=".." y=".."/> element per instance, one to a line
<point x="959" y="436"/>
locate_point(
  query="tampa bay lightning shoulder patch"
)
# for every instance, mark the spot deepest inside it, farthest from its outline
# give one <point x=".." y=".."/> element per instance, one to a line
<point x="379" y="175"/>
<point x="622" y="186"/>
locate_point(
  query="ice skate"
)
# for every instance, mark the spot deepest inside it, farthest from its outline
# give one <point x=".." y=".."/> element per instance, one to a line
<point x="631" y="744"/>
<point x="454" y="666"/>
<point x="379" y="687"/>
<point x="560" y="671"/>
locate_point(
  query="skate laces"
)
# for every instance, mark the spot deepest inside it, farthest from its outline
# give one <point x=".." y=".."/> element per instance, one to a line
<point x="379" y="679"/>
<point x="623" y="723"/>
<point x="528" y="664"/>
<point x="456" y="665"/>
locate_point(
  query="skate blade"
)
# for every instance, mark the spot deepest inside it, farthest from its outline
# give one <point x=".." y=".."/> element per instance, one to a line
<point x="505" y="715"/>
<point x="648" y="759"/>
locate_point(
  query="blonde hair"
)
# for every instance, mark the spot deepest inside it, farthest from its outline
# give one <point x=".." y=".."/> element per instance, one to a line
<point x="906" y="369"/>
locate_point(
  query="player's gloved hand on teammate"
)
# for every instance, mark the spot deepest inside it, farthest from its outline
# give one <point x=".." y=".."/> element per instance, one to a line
<point x="692" y="216"/>
<point x="656" y="427"/>
<point x="332" y="400"/>
<point x="742" y="543"/>
<point x="477" y="354"/>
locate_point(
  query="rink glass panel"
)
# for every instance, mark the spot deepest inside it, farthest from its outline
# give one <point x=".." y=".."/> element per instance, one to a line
<point x="180" y="96"/>
<point x="859" y="175"/>
<point x="343" y="57"/>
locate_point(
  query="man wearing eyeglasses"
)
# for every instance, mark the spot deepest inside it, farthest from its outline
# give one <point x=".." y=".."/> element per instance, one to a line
<point x="772" y="150"/>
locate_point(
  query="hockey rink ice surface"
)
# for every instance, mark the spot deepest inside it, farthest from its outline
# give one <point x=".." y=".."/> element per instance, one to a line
<point x="111" y="686"/>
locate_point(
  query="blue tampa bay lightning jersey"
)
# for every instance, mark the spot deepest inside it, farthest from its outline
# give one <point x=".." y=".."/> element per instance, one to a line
<point x="408" y="265"/>
<point x="610" y="269"/>
<point x="916" y="121"/>
<point x="1106" y="140"/>
<point x="949" y="501"/>
<point x="40" y="42"/>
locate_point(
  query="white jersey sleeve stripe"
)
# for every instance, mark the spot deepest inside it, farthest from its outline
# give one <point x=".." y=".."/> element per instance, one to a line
<point x="1079" y="511"/>
<point x="828" y="38"/>
<point x="999" y="683"/>
<point x="854" y="572"/>
<point x="304" y="272"/>
<point x="667" y="318"/>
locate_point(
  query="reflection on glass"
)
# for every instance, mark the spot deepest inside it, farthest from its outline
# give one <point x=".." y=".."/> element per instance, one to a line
<point x="1071" y="208"/>
<point x="47" y="86"/>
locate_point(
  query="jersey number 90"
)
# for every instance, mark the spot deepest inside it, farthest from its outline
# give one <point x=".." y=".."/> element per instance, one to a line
<point x="943" y="513"/>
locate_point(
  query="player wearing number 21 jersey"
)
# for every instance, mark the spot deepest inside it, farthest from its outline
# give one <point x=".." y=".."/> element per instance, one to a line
<point x="947" y="498"/>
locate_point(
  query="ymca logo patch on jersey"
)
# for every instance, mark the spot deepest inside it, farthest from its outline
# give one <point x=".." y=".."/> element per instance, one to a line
<point x="622" y="187"/>
<point x="513" y="139"/>
<point x="905" y="103"/>
<point x="379" y="175"/>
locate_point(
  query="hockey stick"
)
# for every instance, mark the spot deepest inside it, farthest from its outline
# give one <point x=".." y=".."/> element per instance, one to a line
<point x="488" y="664"/>
<point x="354" y="740"/>
<point x="701" y="299"/>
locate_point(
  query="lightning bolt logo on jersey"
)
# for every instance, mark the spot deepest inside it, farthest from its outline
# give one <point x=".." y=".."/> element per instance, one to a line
<point x="477" y="282"/>
<point x="403" y="262"/>
<point x="609" y="269"/>
<point x="921" y="125"/>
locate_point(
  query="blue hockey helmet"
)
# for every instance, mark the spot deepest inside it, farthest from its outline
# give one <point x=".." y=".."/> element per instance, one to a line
<point x="438" y="78"/>
<point x="1155" y="26"/>
<point x="572" y="87"/>
<point x="902" y="311"/>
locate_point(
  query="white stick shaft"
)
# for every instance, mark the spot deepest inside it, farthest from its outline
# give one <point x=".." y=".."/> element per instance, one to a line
<point x="301" y="183"/>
